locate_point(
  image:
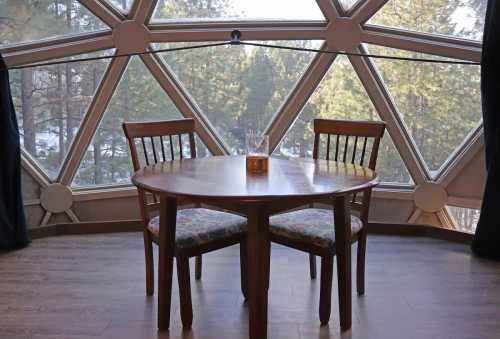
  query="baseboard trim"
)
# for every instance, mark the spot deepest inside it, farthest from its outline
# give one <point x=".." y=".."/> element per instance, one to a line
<point x="136" y="226"/>
<point x="421" y="231"/>
<point x="86" y="228"/>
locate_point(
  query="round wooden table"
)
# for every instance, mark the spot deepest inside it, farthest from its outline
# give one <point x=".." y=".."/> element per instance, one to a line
<point x="224" y="182"/>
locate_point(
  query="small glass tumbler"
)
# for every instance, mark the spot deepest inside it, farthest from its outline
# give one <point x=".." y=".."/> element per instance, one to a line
<point x="257" y="153"/>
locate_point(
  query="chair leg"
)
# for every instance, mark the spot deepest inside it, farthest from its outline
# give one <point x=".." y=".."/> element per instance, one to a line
<point x="243" y="267"/>
<point x="150" y="272"/>
<point x="184" y="290"/>
<point x="197" y="267"/>
<point x="360" y="266"/>
<point x="325" y="296"/>
<point x="312" y="265"/>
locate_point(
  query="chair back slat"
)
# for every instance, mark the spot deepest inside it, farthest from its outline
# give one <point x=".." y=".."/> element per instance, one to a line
<point x="192" y="145"/>
<point x="171" y="147"/>
<point x="154" y="149"/>
<point x="180" y="146"/>
<point x="346" y="147"/>
<point x="162" y="148"/>
<point x="144" y="149"/>
<point x="362" y="161"/>
<point x="366" y="130"/>
<point x="157" y="133"/>
<point x="374" y="154"/>
<point x="354" y="150"/>
<point x="328" y="148"/>
<point x="337" y="148"/>
<point x="315" y="147"/>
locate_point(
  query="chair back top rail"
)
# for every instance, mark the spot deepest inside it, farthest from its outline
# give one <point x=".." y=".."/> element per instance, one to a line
<point x="158" y="128"/>
<point x="369" y="129"/>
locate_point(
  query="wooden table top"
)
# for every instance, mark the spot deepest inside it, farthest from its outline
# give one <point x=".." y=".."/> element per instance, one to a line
<point x="226" y="178"/>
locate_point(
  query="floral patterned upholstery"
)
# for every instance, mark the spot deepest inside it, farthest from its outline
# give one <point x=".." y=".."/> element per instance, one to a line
<point x="312" y="225"/>
<point x="200" y="226"/>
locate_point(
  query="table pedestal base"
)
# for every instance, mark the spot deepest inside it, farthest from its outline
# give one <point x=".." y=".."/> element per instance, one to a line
<point x="258" y="247"/>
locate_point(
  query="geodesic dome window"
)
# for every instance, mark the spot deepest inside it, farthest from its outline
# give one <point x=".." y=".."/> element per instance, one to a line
<point x="70" y="115"/>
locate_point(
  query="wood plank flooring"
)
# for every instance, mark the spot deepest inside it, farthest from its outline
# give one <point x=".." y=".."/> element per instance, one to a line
<point x="82" y="287"/>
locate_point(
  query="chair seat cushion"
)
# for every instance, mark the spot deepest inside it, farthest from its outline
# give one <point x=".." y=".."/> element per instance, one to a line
<point x="201" y="226"/>
<point x="312" y="225"/>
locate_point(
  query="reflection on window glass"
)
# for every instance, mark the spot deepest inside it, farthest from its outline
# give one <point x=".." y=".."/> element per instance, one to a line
<point x="238" y="9"/>
<point x="123" y="5"/>
<point x="138" y="97"/>
<point x="465" y="219"/>
<point x="460" y="18"/>
<point x="341" y="95"/>
<point x="27" y="20"/>
<point x="239" y="88"/>
<point x="440" y="104"/>
<point x="50" y="102"/>
<point x="348" y="4"/>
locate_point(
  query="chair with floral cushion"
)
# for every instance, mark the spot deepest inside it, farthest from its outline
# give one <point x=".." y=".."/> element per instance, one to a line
<point x="312" y="229"/>
<point x="199" y="230"/>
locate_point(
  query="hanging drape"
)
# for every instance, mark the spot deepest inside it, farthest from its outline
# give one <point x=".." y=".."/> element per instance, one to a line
<point x="12" y="220"/>
<point x="487" y="237"/>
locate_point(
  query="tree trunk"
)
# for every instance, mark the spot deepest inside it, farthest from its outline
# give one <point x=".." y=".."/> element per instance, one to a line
<point x="60" y="116"/>
<point x="29" y="127"/>
<point x="98" y="179"/>
<point x="97" y="145"/>
<point x="69" y="115"/>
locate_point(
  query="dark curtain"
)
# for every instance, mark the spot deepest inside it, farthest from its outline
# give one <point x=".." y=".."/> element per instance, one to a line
<point x="487" y="238"/>
<point x="12" y="221"/>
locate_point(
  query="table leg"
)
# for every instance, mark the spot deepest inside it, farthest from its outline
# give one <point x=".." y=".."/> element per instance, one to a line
<point x="168" y="218"/>
<point x="343" y="253"/>
<point x="258" y="265"/>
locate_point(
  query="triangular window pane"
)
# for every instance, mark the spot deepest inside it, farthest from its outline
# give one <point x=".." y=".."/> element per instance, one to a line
<point x="51" y="102"/>
<point x="25" y="21"/>
<point x="440" y="104"/>
<point x="341" y="95"/>
<point x="464" y="219"/>
<point x="138" y="97"/>
<point x="348" y="4"/>
<point x="239" y="88"/>
<point x="390" y="166"/>
<point x="228" y="10"/>
<point x="464" y="19"/>
<point x="122" y="5"/>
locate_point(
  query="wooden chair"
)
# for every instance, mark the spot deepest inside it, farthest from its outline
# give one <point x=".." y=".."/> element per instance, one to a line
<point x="312" y="229"/>
<point x="199" y="230"/>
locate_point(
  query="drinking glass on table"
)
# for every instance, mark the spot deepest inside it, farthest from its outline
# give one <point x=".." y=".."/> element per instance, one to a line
<point x="257" y="153"/>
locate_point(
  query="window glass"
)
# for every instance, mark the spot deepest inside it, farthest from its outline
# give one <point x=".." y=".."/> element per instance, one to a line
<point x="465" y="219"/>
<point x="459" y="18"/>
<point x="439" y="103"/>
<point x="239" y="88"/>
<point x="27" y="20"/>
<point x="51" y="102"/>
<point x="138" y="97"/>
<point x="123" y="5"/>
<point x="348" y="4"/>
<point x="199" y="10"/>
<point x="341" y="95"/>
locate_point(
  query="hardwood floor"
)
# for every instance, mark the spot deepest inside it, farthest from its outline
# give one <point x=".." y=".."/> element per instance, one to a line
<point x="76" y="287"/>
